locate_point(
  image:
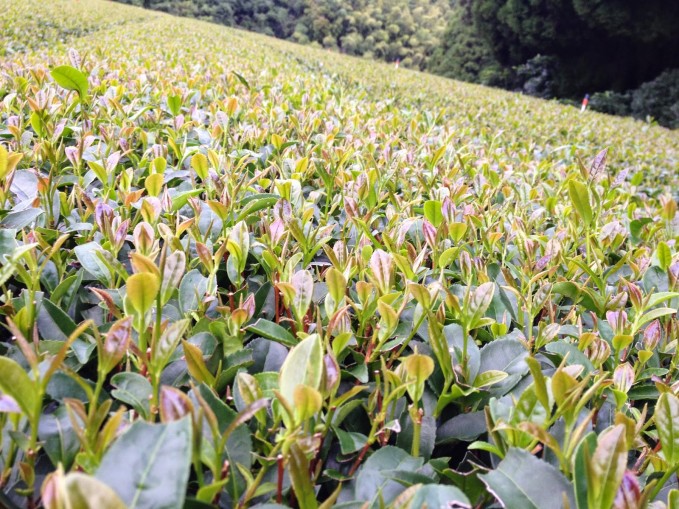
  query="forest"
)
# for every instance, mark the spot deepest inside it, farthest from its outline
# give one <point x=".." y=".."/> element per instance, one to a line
<point x="407" y="31"/>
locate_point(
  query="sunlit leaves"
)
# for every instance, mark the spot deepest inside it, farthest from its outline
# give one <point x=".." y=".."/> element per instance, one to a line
<point x="606" y="468"/>
<point x="14" y="382"/>
<point x="302" y="366"/>
<point x="579" y="195"/>
<point x="71" y="78"/>
<point x="305" y="263"/>
<point x="142" y="289"/>
<point x="667" y="424"/>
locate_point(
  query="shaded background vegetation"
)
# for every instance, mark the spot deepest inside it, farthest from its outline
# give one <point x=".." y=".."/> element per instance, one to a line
<point x="405" y="30"/>
<point x="623" y="52"/>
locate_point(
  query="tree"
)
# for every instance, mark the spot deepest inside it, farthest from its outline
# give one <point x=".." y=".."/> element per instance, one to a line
<point x="596" y="44"/>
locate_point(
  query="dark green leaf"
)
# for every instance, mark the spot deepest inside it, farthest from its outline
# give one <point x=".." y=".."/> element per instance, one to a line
<point x="270" y="330"/>
<point x="514" y="484"/>
<point x="134" y="390"/>
<point x="148" y="466"/>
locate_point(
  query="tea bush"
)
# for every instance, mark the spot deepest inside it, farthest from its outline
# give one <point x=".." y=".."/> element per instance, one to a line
<point x="237" y="272"/>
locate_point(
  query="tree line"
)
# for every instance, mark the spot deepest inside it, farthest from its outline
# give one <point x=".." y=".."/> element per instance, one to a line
<point x="408" y="31"/>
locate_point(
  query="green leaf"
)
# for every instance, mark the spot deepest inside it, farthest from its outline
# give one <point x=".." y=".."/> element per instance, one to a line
<point x="83" y="491"/>
<point x="37" y="124"/>
<point x="667" y="425"/>
<point x="142" y="290"/>
<point x="448" y="256"/>
<point x="175" y="264"/>
<point x="636" y="226"/>
<point x="70" y="78"/>
<point x="514" y="484"/>
<point x="372" y="481"/>
<point x="179" y="200"/>
<point x="53" y="323"/>
<point x="337" y="285"/>
<point x="199" y="165"/>
<point x="88" y="257"/>
<point x="653" y="314"/>
<point x="606" y="468"/>
<point x="508" y="355"/>
<point x="239" y="444"/>
<point x="256" y="203"/>
<point x="298" y="465"/>
<point x="4" y="162"/>
<point x="21" y="219"/>
<point x="571" y="353"/>
<point x="583" y="452"/>
<point x="149" y="465"/>
<point x="168" y="342"/>
<point x="489" y="377"/>
<point x="134" y="390"/>
<point x="432" y="496"/>
<point x="192" y="290"/>
<point x="303" y="365"/>
<point x="174" y="102"/>
<point x="303" y="283"/>
<point x="579" y="195"/>
<point x="196" y="364"/>
<point x="664" y="256"/>
<point x="658" y="297"/>
<point x="14" y="382"/>
<point x="307" y="402"/>
<point x="58" y="437"/>
<point x="432" y="211"/>
<point x="419" y="367"/>
<point x="408" y="479"/>
<point x="350" y="441"/>
<point x="273" y="331"/>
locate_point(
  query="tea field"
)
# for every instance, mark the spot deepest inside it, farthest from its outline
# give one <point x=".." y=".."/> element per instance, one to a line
<point x="240" y="273"/>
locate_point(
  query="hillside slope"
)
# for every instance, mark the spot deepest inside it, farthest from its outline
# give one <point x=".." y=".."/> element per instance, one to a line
<point x="240" y="272"/>
<point x="94" y="25"/>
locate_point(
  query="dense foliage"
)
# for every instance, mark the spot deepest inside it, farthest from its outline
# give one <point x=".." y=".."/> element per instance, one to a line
<point x="393" y="30"/>
<point x="620" y="50"/>
<point x="598" y="45"/>
<point x="239" y="272"/>
<point x="463" y="54"/>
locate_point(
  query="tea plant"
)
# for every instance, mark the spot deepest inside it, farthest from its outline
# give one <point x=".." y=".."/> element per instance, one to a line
<point x="235" y="272"/>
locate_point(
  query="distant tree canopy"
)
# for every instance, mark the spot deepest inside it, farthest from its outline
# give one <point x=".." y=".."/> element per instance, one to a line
<point x="594" y="44"/>
<point x="405" y="30"/>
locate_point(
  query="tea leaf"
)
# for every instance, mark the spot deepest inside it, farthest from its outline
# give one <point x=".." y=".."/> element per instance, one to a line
<point x="71" y="78"/>
<point x="431" y="495"/>
<point x="579" y="195"/>
<point x="15" y="383"/>
<point x="302" y="366"/>
<point x="271" y="330"/>
<point x="79" y="491"/>
<point x="432" y="211"/>
<point x="667" y="424"/>
<point x="133" y="389"/>
<point x="606" y="468"/>
<point x="196" y="364"/>
<point x="513" y="482"/>
<point x="664" y="256"/>
<point x="199" y="165"/>
<point x="299" y="475"/>
<point x="157" y="460"/>
<point x="142" y="289"/>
